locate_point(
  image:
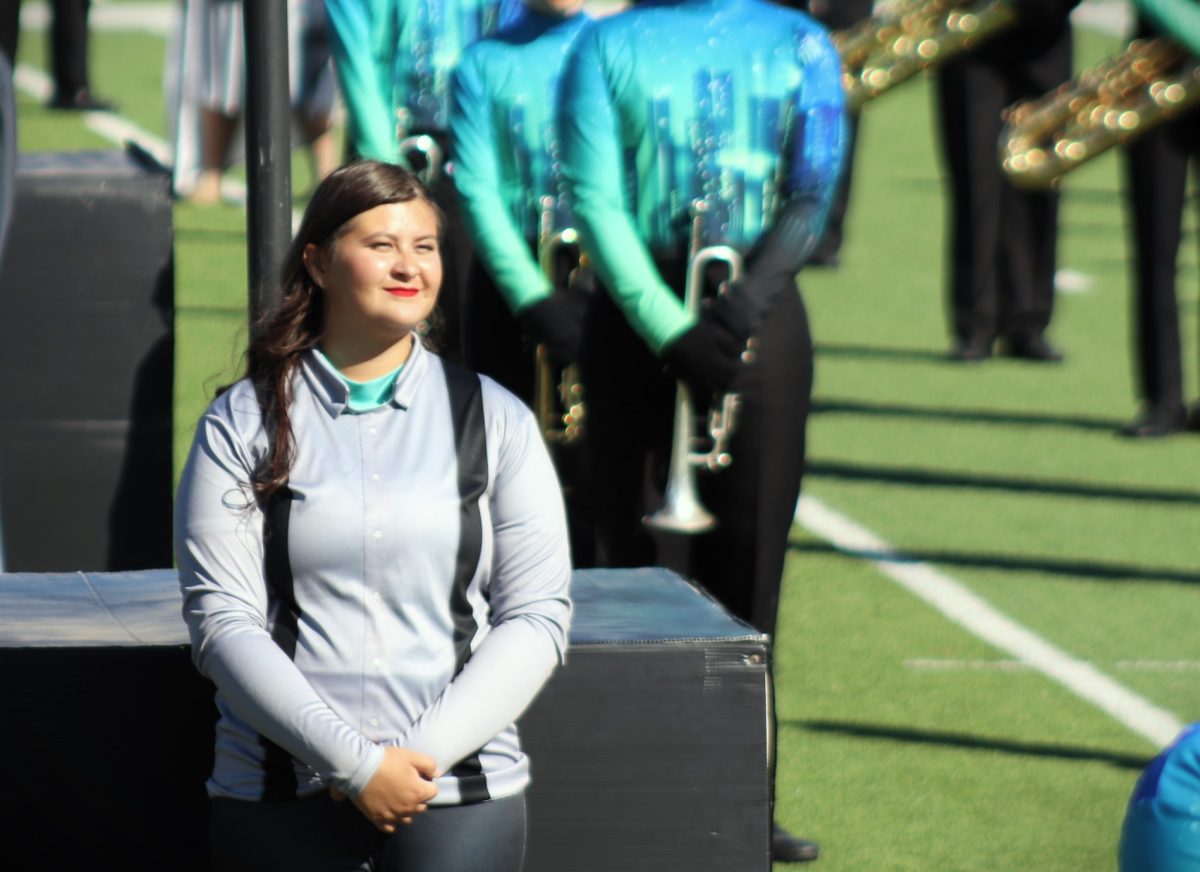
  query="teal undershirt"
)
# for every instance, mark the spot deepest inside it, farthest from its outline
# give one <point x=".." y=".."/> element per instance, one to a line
<point x="369" y="395"/>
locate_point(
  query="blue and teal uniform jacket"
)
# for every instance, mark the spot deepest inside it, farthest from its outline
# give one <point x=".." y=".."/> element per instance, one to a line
<point x="503" y="133"/>
<point x="1161" y="832"/>
<point x="735" y="102"/>
<point x="393" y="60"/>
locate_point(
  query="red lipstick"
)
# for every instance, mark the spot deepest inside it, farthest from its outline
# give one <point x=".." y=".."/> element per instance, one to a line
<point x="402" y="292"/>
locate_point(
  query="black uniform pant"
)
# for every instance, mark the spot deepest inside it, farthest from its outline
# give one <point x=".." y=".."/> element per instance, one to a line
<point x="68" y="41"/>
<point x="456" y="255"/>
<point x="631" y="405"/>
<point x="495" y="346"/>
<point x="316" y="834"/>
<point x="1003" y="240"/>
<point x="1156" y="166"/>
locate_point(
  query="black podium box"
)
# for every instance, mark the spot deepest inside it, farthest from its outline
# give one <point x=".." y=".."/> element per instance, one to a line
<point x="86" y="291"/>
<point x="649" y="750"/>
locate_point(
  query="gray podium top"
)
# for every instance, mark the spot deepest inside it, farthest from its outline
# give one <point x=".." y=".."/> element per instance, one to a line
<point x="103" y="609"/>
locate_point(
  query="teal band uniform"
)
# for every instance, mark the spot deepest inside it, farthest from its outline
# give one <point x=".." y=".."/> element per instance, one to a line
<point x="393" y="60"/>
<point x="503" y="133"/>
<point x="735" y="102"/>
<point x="1162" y="824"/>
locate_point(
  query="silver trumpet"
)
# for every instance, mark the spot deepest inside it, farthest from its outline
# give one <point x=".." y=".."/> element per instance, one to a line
<point x="558" y="401"/>
<point x="681" y="510"/>
<point x="426" y="148"/>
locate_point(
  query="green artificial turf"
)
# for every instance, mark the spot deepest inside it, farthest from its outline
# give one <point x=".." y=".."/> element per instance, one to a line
<point x="904" y="742"/>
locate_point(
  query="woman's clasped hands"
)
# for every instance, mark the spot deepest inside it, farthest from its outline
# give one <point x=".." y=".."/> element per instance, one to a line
<point x="399" y="789"/>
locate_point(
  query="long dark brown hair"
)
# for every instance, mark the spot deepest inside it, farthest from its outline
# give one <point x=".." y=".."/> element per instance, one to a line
<point x="295" y="325"/>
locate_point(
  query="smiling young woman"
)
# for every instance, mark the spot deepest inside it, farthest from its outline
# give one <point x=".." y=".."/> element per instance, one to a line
<point x="380" y="275"/>
<point x="373" y="555"/>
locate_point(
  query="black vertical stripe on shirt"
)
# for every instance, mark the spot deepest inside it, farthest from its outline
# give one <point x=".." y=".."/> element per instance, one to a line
<point x="470" y="441"/>
<point x="279" y="771"/>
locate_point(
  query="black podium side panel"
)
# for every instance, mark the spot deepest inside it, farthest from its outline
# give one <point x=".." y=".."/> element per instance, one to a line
<point x="651" y="757"/>
<point x="107" y="753"/>
<point x="86" y="291"/>
<point x="648" y="751"/>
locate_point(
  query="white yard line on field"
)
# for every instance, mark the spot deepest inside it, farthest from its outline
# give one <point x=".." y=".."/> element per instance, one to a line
<point x="977" y="616"/>
<point x="153" y="18"/>
<point x="116" y="129"/>
<point x="951" y="664"/>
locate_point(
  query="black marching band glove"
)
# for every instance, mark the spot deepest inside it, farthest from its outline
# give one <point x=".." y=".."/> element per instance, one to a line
<point x="772" y="265"/>
<point x="557" y="323"/>
<point x="706" y="358"/>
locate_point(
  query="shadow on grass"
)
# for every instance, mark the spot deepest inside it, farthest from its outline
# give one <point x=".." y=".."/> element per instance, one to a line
<point x="1073" y="568"/>
<point x="972" y="416"/>
<point x="882" y="352"/>
<point x="1120" y="760"/>
<point x="973" y="481"/>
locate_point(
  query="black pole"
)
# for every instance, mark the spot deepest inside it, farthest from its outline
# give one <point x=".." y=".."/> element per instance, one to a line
<point x="268" y="148"/>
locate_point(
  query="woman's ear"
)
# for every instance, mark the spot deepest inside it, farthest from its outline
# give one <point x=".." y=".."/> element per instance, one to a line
<point x="312" y="263"/>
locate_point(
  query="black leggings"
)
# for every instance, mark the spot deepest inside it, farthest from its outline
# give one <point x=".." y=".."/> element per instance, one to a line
<point x="316" y="834"/>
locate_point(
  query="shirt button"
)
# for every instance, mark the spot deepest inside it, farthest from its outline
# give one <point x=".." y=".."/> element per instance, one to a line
<point x="374" y="722"/>
<point x="372" y="431"/>
<point x="376" y="662"/>
<point x="374" y="476"/>
<point x="378" y="534"/>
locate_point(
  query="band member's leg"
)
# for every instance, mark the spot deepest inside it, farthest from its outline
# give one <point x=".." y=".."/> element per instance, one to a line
<point x="1157" y="166"/>
<point x="456" y="260"/>
<point x="741" y="563"/>
<point x="69" y="46"/>
<point x="630" y="405"/>
<point x="1029" y="219"/>
<point x="492" y="336"/>
<point x="970" y="96"/>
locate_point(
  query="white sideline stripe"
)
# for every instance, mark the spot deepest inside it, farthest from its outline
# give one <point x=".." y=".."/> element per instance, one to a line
<point x="111" y="126"/>
<point x="975" y="615"/>
<point x="155" y="18"/>
<point x="948" y="664"/>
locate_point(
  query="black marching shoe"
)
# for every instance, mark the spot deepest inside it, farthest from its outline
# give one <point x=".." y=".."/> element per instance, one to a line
<point x="971" y="350"/>
<point x="1034" y="348"/>
<point x="786" y="848"/>
<point x="82" y="100"/>
<point x="1155" y="423"/>
<point x="1192" y="422"/>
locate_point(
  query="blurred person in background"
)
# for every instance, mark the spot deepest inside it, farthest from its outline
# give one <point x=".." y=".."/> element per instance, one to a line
<point x="1157" y="170"/>
<point x="207" y="85"/>
<point x="1161" y="832"/>
<point x="504" y="135"/>
<point x="737" y="105"/>
<point x="69" y="45"/>
<point x="394" y="59"/>
<point x="837" y="15"/>
<point x="1003" y="241"/>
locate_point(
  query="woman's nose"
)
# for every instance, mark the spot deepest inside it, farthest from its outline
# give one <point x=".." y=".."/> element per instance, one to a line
<point x="404" y="265"/>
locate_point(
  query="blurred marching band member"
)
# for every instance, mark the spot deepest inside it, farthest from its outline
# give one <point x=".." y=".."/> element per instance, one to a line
<point x="1157" y="167"/>
<point x="504" y="136"/>
<point x="837" y="15"/>
<point x="737" y="103"/>
<point x="503" y="133"/>
<point x="1003" y="240"/>
<point x="394" y="59"/>
<point x="68" y="43"/>
<point x="206" y="85"/>
<point x="1161" y="831"/>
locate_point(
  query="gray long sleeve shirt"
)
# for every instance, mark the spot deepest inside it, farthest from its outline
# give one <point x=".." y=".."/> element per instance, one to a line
<point x="412" y="590"/>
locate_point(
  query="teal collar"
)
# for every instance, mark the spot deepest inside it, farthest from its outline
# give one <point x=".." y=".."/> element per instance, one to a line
<point x="369" y="395"/>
